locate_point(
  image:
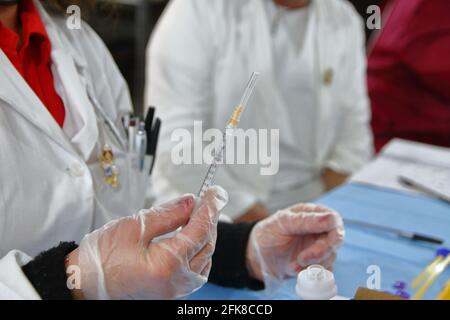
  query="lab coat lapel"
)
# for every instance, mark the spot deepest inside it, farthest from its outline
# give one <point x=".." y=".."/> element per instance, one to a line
<point x="17" y="94"/>
<point x="262" y="56"/>
<point x="72" y="89"/>
<point x="322" y="64"/>
<point x="68" y="69"/>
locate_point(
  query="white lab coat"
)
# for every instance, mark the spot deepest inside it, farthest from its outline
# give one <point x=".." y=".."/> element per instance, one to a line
<point x="200" y="58"/>
<point x="51" y="185"/>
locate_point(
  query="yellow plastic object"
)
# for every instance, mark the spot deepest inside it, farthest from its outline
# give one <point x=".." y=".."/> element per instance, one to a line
<point x="421" y="277"/>
<point x="435" y="272"/>
<point x="235" y="117"/>
<point x="445" y="294"/>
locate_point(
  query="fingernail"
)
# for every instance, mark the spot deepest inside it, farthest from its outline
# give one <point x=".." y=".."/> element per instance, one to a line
<point x="186" y="201"/>
<point x="325" y="218"/>
<point x="221" y="195"/>
<point x="308" y="257"/>
<point x="311" y="256"/>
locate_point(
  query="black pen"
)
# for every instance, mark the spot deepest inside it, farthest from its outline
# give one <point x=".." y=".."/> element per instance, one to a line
<point x="148" y="126"/>
<point x="415" y="186"/>
<point x="401" y="233"/>
<point x="153" y="143"/>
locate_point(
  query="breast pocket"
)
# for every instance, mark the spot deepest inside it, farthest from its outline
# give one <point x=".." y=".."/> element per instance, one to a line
<point x="139" y="181"/>
<point x="120" y="185"/>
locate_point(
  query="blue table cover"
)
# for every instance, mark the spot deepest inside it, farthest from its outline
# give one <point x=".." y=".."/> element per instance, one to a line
<point x="398" y="259"/>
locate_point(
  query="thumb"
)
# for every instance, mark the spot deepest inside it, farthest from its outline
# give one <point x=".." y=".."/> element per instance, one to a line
<point x="165" y="218"/>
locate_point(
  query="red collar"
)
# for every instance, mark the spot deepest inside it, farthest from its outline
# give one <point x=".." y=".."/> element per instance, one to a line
<point x="33" y="31"/>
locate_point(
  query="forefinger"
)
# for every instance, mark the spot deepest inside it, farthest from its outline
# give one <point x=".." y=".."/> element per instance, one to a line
<point x="302" y="223"/>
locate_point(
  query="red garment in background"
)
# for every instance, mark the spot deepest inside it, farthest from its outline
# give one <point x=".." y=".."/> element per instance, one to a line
<point x="409" y="73"/>
<point x="32" y="58"/>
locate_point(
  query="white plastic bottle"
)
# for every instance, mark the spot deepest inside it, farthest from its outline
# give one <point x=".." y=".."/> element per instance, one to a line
<point x="316" y="283"/>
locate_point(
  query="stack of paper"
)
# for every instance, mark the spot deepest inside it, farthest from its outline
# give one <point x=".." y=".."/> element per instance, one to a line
<point x="411" y="167"/>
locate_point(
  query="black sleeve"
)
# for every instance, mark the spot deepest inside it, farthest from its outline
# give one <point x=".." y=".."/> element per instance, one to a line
<point x="47" y="272"/>
<point x="229" y="267"/>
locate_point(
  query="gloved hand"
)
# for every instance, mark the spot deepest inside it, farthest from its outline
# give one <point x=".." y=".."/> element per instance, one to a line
<point x="292" y="239"/>
<point x="122" y="261"/>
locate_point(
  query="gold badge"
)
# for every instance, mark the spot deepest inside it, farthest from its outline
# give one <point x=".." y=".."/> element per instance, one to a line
<point x="108" y="166"/>
<point x="328" y="77"/>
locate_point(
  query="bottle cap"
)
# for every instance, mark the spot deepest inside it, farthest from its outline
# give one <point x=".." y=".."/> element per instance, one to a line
<point x="402" y="294"/>
<point x="400" y="285"/>
<point x="443" y="252"/>
<point x="316" y="283"/>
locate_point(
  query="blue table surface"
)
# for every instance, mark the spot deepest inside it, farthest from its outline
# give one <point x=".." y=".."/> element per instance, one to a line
<point x="397" y="258"/>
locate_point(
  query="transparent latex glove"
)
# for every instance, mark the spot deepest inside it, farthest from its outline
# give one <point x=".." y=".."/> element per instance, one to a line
<point x="122" y="261"/>
<point x="292" y="239"/>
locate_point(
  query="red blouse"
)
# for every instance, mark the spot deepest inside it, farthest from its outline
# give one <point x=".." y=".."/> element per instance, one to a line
<point x="32" y="58"/>
<point x="409" y="73"/>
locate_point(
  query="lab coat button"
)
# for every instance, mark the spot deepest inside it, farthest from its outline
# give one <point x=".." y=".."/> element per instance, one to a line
<point x="77" y="170"/>
<point x="328" y="76"/>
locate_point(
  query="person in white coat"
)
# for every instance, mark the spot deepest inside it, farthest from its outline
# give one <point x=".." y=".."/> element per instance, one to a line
<point x="312" y="87"/>
<point x="56" y="186"/>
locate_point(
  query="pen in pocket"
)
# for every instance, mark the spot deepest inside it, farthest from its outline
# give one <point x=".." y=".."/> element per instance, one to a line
<point x="141" y="145"/>
<point x="132" y="131"/>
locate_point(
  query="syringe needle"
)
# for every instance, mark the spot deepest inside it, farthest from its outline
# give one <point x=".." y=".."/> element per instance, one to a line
<point x="249" y="90"/>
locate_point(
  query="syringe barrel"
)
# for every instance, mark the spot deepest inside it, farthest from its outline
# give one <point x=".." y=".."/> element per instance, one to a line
<point x="217" y="159"/>
<point x="209" y="179"/>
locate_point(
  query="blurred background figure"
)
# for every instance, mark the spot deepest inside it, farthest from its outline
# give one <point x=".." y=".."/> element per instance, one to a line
<point x="409" y="73"/>
<point x="311" y="55"/>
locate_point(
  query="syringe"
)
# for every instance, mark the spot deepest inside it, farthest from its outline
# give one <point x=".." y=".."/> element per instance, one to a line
<point x="229" y="129"/>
